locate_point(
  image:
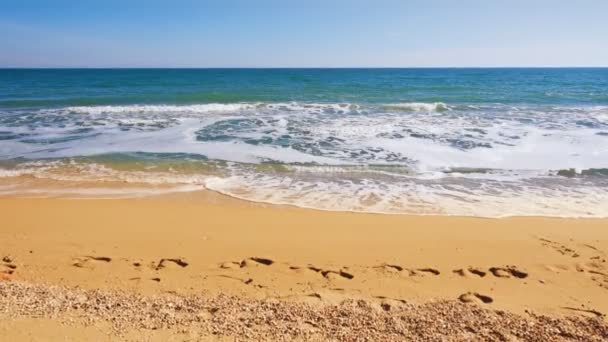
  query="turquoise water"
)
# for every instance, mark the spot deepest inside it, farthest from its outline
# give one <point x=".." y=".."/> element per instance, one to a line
<point x="484" y="142"/>
<point x="51" y="88"/>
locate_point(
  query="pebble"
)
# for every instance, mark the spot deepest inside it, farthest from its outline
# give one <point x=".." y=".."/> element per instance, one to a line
<point x="274" y="319"/>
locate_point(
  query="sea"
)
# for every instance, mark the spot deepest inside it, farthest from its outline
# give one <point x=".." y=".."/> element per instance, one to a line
<point x="447" y="141"/>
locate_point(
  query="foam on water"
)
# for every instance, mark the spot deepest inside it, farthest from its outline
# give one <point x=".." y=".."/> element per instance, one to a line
<point x="97" y="192"/>
<point x="162" y="109"/>
<point x="416" y="158"/>
<point x="486" y="199"/>
<point x="418" y="106"/>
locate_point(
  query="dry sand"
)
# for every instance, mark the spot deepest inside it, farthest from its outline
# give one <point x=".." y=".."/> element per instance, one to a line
<point x="203" y="266"/>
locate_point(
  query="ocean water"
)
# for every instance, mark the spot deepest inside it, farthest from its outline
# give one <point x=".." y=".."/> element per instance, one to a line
<point x="479" y="142"/>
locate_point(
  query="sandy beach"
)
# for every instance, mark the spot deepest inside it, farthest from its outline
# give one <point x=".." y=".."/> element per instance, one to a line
<point x="303" y="171"/>
<point x="220" y="255"/>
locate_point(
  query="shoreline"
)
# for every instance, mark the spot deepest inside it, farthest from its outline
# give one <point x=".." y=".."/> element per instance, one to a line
<point x="204" y="194"/>
<point x="188" y="244"/>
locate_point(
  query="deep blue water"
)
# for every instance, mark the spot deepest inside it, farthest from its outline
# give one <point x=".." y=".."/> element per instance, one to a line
<point x="66" y="87"/>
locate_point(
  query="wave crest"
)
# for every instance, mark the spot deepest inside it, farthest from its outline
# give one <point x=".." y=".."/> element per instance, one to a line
<point x="198" y="108"/>
<point x="418" y="106"/>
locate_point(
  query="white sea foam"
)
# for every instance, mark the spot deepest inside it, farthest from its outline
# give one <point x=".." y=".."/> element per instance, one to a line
<point x="417" y="198"/>
<point x="219" y="108"/>
<point x="534" y="138"/>
<point x="130" y="109"/>
<point x="97" y="192"/>
<point x="361" y="189"/>
<point x="418" y="106"/>
<point x="382" y="158"/>
<point x="71" y="171"/>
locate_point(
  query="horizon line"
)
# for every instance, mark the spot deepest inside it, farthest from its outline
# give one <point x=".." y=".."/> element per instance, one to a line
<point x="303" y="67"/>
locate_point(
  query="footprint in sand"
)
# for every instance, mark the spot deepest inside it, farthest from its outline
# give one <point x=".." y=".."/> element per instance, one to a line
<point x="428" y="270"/>
<point x="411" y="271"/>
<point x="474" y="297"/>
<point x="390" y="268"/>
<point x="470" y="271"/>
<point x="257" y="261"/>
<point x="230" y="265"/>
<point x="138" y="279"/>
<point x="508" y="272"/>
<point x="500" y="272"/>
<point x="328" y="274"/>
<point x="560" y="248"/>
<point x="254" y="261"/>
<point x="249" y="262"/>
<point x="596" y="271"/>
<point x="8" y="268"/>
<point x="595" y="267"/>
<point x="82" y="262"/>
<point x="165" y="262"/>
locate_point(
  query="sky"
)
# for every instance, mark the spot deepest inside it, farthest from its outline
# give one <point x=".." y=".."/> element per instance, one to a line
<point x="303" y="33"/>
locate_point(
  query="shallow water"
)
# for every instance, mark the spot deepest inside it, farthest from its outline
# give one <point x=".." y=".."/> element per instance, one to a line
<point x="482" y="142"/>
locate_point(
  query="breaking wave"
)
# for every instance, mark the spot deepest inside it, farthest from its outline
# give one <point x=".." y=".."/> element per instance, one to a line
<point x="410" y="158"/>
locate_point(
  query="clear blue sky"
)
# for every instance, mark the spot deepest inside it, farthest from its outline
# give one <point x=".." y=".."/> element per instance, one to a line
<point x="302" y="33"/>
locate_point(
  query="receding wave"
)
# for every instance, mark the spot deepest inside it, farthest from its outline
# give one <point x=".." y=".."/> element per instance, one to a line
<point x="372" y="188"/>
<point x="411" y="158"/>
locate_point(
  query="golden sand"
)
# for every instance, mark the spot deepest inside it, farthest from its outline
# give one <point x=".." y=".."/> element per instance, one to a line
<point x="205" y="243"/>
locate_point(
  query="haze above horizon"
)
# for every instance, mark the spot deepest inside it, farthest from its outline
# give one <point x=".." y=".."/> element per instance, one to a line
<point x="273" y="33"/>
